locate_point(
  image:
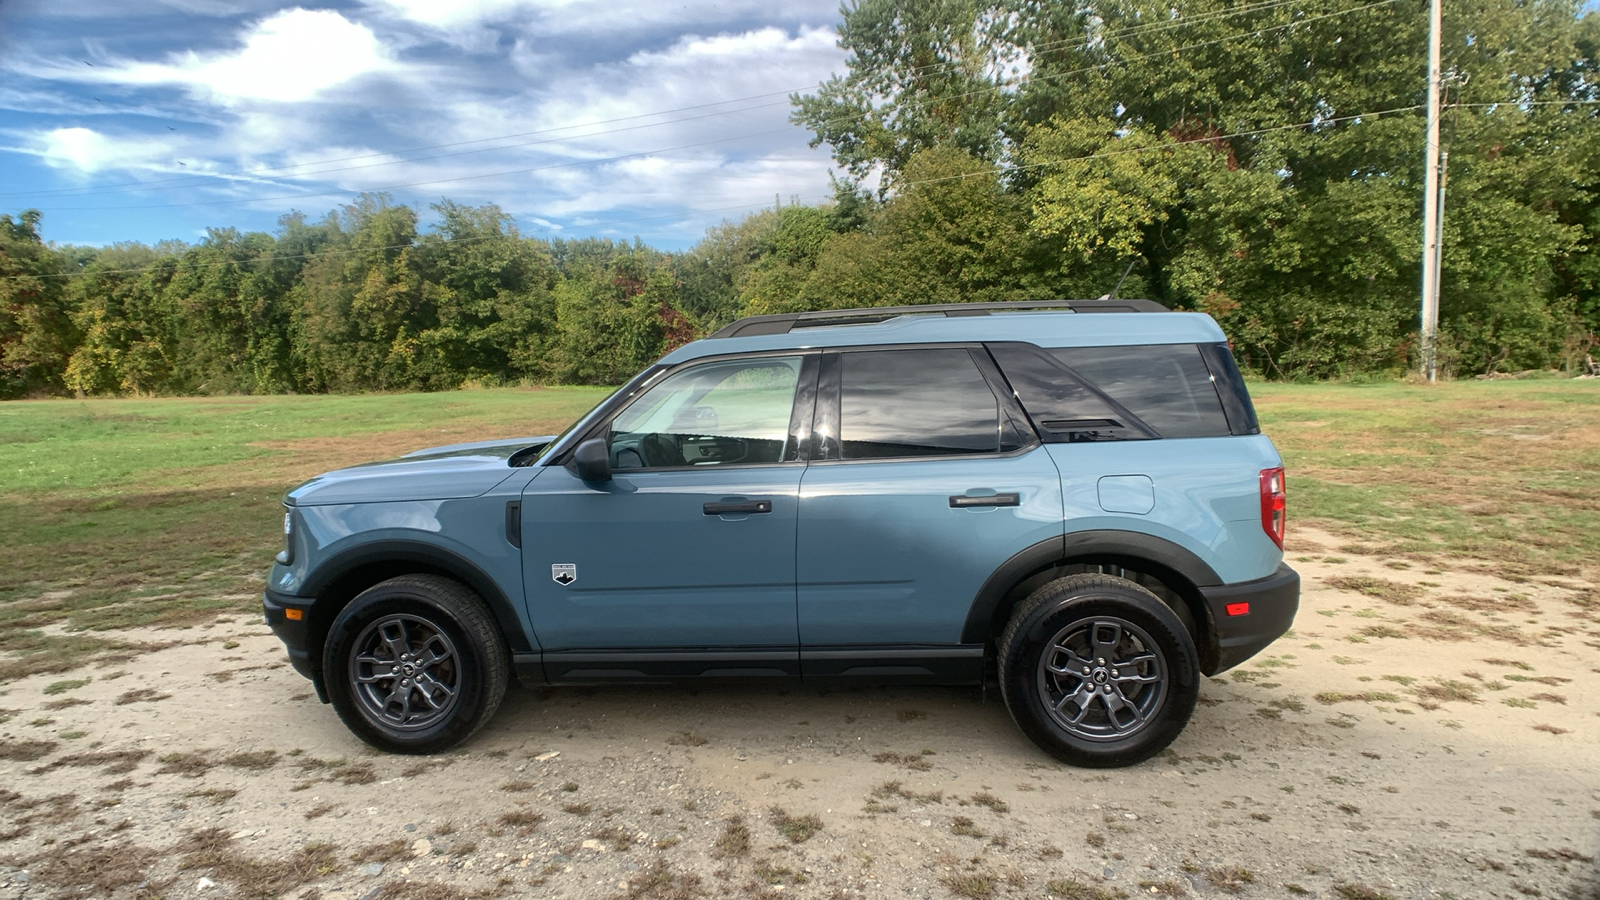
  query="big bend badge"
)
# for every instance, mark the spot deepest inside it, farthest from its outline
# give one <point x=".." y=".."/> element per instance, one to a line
<point x="564" y="573"/>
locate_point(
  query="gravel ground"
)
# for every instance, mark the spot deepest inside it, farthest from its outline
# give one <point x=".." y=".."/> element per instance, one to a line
<point x="1420" y="733"/>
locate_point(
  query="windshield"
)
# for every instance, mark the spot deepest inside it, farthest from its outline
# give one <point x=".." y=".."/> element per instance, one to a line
<point x="619" y="395"/>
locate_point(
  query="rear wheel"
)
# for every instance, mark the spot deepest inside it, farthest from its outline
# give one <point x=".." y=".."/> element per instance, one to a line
<point x="415" y="665"/>
<point x="1098" y="671"/>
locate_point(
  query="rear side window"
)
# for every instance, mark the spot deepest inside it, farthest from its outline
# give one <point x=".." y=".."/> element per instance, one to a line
<point x="902" y="403"/>
<point x="1166" y="385"/>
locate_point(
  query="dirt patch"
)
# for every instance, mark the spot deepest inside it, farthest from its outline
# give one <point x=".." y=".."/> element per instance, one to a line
<point x="1354" y="755"/>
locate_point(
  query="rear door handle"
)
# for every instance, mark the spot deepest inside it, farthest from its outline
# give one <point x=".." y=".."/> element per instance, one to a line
<point x="739" y="507"/>
<point x="962" y="501"/>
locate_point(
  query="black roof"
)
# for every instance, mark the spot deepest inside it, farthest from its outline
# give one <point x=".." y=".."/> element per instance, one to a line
<point x="783" y="323"/>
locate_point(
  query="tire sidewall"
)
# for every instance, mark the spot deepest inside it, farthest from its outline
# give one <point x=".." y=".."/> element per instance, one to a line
<point x="1047" y="620"/>
<point x="381" y="602"/>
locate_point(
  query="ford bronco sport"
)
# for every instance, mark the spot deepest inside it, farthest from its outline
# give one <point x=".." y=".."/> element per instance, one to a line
<point x="1074" y="496"/>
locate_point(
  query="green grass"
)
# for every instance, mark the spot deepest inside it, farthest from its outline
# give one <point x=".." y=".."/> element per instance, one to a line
<point x="120" y="513"/>
<point x="1502" y="471"/>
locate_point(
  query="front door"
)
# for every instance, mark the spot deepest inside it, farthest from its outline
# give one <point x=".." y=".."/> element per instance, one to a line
<point x="683" y="564"/>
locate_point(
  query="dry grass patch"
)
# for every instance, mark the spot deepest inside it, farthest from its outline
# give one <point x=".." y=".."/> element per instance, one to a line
<point x="102" y="867"/>
<point x="990" y="802"/>
<point x="1230" y="879"/>
<point x="26" y="751"/>
<point x="191" y="765"/>
<point x="916" y="762"/>
<point x="1074" y="889"/>
<point x="382" y="852"/>
<point x="1395" y="592"/>
<point x="1496" y="604"/>
<point x="1328" y="698"/>
<point x="1447" y="691"/>
<point x="975" y="885"/>
<point x="689" y="738"/>
<point x="257" y="761"/>
<point x="734" y="842"/>
<point x="798" y="829"/>
<point x="141" y="695"/>
<point x="212" y="850"/>
<point x="524" y="820"/>
<point x="893" y="789"/>
<point x="661" y="882"/>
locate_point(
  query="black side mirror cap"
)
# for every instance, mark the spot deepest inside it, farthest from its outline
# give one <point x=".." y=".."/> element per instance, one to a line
<point x="592" y="460"/>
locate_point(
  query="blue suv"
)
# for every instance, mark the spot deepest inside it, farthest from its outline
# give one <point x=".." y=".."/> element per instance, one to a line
<point x="1073" y="497"/>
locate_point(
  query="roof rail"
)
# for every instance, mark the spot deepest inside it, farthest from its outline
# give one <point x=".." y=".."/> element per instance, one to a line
<point x="783" y="323"/>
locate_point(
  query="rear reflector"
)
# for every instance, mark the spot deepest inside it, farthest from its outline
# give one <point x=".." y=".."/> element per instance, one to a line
<point x="1238" y="609"/>
<point x="1274" y="504"/>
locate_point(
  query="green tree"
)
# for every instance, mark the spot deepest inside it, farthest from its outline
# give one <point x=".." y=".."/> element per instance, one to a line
<point x="37" y="333"/>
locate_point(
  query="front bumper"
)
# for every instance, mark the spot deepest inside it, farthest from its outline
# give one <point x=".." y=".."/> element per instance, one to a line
<point x="294" y="632"/>
<point x="1273" y="602"/>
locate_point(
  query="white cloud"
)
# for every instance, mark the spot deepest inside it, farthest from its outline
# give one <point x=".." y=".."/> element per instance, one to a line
<point x="288" y="57"/>
<point x="90" y="151"/>
<point x="571" y="17"/>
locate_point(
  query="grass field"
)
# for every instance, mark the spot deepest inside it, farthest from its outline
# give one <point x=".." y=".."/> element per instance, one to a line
<point x="126" y="512"/>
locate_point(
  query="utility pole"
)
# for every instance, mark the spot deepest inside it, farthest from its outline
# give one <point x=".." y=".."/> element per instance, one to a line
<point x="1432" y="202"/>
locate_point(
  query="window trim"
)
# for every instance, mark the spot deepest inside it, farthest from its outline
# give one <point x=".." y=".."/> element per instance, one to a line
<point x="806" y="384"/>
<point x="828" y="421"/>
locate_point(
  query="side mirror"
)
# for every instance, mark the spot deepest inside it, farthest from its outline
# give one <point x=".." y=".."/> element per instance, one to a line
<point x="592" y="460"/>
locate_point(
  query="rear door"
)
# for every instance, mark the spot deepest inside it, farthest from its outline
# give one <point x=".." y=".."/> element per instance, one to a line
<point x="926" y="480"/>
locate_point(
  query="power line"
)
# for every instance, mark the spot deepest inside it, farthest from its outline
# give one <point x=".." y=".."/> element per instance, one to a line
<point x="1355" y="117"/>
<point x="931" y="101"/>
<point x="339" y="193"/>
<point x="134" y="187"/>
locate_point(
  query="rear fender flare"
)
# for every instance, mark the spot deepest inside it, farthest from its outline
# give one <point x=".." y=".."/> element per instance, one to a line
<point x="1132" y="546"/>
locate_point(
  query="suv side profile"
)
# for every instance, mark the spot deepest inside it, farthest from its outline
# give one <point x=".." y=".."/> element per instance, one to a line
<point x="1073" y="497"/>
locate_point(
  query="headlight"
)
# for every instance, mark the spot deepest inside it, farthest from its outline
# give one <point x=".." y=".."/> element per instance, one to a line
<point x="286" y="555"/>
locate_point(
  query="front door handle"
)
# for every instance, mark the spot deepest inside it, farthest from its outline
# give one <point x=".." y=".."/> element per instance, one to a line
<point x="963" y="501"/>
<point x="737" y="507"/>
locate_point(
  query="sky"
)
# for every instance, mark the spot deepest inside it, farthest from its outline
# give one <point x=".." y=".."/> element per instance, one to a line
<point x="144" y="120"/>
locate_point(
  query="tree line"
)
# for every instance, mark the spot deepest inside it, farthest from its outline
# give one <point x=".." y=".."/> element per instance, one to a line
<point x="1261" y="162"/>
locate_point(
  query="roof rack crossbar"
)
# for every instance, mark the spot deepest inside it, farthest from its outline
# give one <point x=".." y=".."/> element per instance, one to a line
<point x="783" y="323"/>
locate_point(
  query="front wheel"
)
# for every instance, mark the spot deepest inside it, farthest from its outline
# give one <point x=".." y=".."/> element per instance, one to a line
<point x="415" y="665"/>
<point x="1098" y="671"/>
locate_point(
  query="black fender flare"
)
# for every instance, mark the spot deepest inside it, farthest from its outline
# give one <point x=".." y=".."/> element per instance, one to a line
<point x="1130" y="545"/>
<point x="416" y="556"/>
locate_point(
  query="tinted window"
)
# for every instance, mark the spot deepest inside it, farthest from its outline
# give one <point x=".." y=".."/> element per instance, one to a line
<point x="713" y="414"/>
<point x="1063" y="408"/>
<point x="895" y="403"/>
<point x="1166" y="385"/>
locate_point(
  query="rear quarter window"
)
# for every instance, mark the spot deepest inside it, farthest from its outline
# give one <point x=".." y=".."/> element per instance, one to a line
<point x="1166" y="385"/>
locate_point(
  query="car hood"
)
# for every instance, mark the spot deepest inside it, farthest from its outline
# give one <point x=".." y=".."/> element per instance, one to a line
<point x="449" y="472"/>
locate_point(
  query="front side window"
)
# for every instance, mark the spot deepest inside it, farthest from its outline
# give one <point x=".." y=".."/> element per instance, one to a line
<point x="908" y="403"/>
<point x="718" y="413"/>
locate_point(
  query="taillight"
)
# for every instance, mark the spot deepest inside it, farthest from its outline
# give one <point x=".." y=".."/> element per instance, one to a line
<point x="1274" y="504"/>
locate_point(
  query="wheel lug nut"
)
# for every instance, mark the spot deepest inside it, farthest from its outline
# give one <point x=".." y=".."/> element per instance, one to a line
<point x="1085" y="670"/>
<point x="1100" y="662"/>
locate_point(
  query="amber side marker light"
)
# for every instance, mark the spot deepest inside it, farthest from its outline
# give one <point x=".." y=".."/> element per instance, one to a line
<point x="1238" y="609"/>
<point x="295" y="615"/>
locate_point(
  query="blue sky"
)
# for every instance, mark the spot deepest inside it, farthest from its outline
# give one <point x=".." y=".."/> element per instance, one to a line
<point x="152" y="119"/>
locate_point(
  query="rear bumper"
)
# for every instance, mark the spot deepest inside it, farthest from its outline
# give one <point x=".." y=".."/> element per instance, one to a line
<point x="1273" y="602"/>
<point x="295" y="633"/>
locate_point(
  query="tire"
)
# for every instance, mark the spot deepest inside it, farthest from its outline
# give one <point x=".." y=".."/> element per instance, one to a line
<point x="1130" y="703"/>
<point x="447" y="666"/>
